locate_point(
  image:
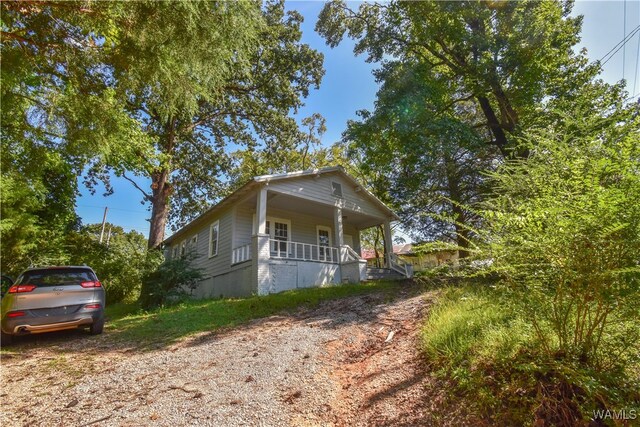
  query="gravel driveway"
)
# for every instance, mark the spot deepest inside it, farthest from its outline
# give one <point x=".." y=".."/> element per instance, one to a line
<point x="352" y="361"/>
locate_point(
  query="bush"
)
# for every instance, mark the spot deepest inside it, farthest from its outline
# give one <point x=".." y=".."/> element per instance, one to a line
<point x="491" y="352"/>
<point x="559" y="335"/>
<point x="120" y="265"/>
<point x="173" y="280"/>
<point x="564" y="235"/>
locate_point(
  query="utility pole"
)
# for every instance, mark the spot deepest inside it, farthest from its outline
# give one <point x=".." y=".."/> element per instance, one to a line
<point x="109" y="236"/>
<point x="104" y="220"/>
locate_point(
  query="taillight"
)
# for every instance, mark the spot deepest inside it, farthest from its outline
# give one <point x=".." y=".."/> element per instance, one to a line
<point x="91" y="306"/>
<point x="17" y="289"/>
<point x="95" y="284"/>
<point x="16" y="314"/>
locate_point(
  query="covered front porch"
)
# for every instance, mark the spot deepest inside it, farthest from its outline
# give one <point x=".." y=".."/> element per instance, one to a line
<point x="295" y="242"/>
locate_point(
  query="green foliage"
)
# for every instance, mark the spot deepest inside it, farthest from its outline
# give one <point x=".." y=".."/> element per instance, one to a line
<point x="477" y="337"/>
<point x="431" y="157"/>
<point x="156" y="89"/>
<point x="120" y="262"/>
<point x="37" y="193"/>
<point x="501" y="58"/>
<point x="172" y="280"/>
<point x="297" y="152"/>
<point x="563" y="231"/>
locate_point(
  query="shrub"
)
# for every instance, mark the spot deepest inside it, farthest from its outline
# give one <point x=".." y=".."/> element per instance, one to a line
<point x="173" y="280"/>
<point x="563" y="232"/>
<point x="120" y="264"/>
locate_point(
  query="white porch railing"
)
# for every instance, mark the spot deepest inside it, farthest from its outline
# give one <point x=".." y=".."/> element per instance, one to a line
<point x="303" y="251"/>
<point x="241" y="254"/>
<point x="349" y="254"/>
<point x="396" y="264"/>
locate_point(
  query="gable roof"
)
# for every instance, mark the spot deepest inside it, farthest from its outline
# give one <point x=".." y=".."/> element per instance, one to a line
<point x="257" y="181"/>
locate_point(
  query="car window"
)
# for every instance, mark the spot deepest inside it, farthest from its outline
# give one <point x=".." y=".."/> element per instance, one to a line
<point x="57" y="277"/>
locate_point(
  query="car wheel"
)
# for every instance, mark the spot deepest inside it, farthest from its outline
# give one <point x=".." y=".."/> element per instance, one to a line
<point x="5" y="339"/>
<point x="96" y="327"/>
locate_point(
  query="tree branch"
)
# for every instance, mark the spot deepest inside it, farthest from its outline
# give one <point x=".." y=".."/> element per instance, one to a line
<point x="147" y="197"/>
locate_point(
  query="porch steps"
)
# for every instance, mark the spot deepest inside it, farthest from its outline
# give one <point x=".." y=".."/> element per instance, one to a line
<point x="383" y="274"/>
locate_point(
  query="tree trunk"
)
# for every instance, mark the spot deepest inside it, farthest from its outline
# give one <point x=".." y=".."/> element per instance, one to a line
<point x="160" y="207"/>
<point x="453" y="184"/>
<point x="376" y="242"/>
<point x="161" y="188"/>
<point x="500" y="138"/>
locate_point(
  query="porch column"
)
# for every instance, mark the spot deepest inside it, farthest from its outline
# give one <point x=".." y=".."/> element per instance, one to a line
<point x="261" y="211"/>
<point x="388" y="241"/>
<point x="337" y="225"/>
<point x="260" y="247"/>
<point x="339" y="232"/>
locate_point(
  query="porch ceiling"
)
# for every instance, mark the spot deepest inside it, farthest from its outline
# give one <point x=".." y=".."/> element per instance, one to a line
<point x="308" y="207"/>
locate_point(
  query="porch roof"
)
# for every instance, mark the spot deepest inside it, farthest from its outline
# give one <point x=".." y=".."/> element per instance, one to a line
<point x="258" y="181"/>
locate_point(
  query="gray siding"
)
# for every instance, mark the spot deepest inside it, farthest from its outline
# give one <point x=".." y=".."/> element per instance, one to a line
<point x="303" y="227"/>
<point x="319" y="190"/>
<point x="235" y="283"/>
<point x="243" y="227"/>
<point x="220" y="263"/>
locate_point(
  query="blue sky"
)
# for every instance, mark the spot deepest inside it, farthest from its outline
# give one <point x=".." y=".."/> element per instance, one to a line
<point x="349" y="86"/>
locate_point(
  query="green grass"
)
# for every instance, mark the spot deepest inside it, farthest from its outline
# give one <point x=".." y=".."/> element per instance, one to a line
<point x="169" y="324"/>
<point x="471" y="323"/>
<point x="493" y="357"/>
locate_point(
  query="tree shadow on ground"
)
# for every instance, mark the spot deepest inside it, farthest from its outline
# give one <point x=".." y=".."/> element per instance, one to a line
<point x="197" y="322"/>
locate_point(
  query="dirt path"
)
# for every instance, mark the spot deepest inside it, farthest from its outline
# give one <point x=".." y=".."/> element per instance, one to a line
<point x="352" y="361"/>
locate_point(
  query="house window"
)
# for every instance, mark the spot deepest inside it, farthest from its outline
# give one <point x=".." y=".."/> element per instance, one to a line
<point x="174" y="254"/>
<point x="336" y="189"/>
<point x="183" y="248"/>
<point x="279" y="232"/>
<point x="214" y="232"/>
<point x="324" y="241"/>
<point x="193" y="243"/>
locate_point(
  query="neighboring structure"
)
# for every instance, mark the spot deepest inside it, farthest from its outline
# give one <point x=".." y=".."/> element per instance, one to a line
<point x="287" y="231"/>
<point x="419" y="261"/>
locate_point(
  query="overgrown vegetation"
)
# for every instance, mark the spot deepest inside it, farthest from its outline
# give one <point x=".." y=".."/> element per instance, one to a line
<point x="475" y="336"/>
<point x="120" y="261"/>
<point x="556" y="335"/>
<point x="173" y="280"/>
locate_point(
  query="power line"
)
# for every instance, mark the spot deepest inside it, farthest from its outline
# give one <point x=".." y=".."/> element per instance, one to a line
<point x="624" y="42"/>
<point x="635" y="79"/>
<point x="115" y="209"/>
<point x="619" y="45"/>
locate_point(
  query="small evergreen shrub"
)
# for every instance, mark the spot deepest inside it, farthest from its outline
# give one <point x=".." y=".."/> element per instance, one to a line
<point x="173" y="280"/>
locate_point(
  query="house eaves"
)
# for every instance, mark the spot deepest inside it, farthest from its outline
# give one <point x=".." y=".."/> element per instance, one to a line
<point x="265" y="179"/>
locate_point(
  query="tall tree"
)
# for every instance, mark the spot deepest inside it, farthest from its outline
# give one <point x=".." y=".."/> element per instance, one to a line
<point x="156" y="89"/>
<point x="506" y="57"/>
<point x="241" y="70"/>
<point x="429" y="155"/>
<point x="460" y="83"/>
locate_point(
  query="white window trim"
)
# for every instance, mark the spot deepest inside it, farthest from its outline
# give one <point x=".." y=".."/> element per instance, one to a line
<point x="324" y="228"/>
<point x="271" y="220"/>
<point x="272" y="228"/>
<point x="183" y="248"/>
<point x="211" y="227"/>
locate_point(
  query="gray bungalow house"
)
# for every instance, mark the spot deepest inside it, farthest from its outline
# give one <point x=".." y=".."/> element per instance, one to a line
<point x="287" y="231"/>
